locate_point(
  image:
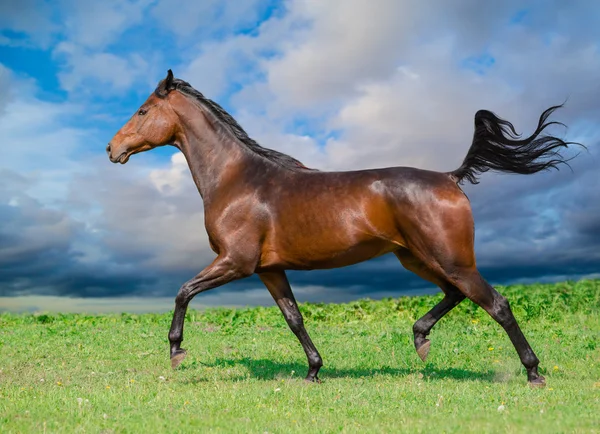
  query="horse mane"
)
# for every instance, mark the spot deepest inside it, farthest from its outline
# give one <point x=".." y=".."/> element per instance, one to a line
<point x="230" y="125"/>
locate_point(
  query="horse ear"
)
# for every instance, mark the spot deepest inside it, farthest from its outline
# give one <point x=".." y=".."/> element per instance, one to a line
<point x="169" y="81"/>
<point x="165" y="86"/>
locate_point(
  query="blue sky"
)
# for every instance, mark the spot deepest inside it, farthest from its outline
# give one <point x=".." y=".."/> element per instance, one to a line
<point x="339" y="85"/>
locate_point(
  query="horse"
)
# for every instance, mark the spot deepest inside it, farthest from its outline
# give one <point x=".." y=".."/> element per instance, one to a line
<point x="265" y="212"/>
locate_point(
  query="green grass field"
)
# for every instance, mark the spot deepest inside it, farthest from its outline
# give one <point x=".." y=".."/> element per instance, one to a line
<point x="244" y="371"/>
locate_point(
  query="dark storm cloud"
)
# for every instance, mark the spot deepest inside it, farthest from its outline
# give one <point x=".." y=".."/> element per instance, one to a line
<point x="39" y="250"/>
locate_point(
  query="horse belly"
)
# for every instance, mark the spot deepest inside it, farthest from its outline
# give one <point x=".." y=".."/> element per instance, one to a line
<point x="358" y="253"/>
<point x="314" y="256"/>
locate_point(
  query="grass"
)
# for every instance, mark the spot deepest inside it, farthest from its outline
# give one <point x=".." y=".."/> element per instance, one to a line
<point x="244" y="371"/>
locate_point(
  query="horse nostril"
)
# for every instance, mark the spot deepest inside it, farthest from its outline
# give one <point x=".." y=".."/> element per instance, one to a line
<point x="108" y="149"/>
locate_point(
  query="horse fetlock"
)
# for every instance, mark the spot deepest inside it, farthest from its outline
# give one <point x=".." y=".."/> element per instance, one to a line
<point x="175" y="337"/>
<point x="530" y="362"/>
<point x="316" y="363"/>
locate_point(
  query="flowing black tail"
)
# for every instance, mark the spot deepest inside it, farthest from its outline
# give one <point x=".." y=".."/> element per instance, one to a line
<point x="496" y="146"/>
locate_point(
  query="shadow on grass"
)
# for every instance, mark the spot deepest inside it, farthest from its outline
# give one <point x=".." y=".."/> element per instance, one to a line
<point x="264" y="369"/>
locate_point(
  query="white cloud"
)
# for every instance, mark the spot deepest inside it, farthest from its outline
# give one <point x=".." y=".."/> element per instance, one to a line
<point x="221" y="63"/>
<point x="173" y="179"/>
<point x="85" y="30"/>
<point x="344" y="43"/>
<point x="92" y="24"/>
<point x="95" y="24"/>
<point x="205" y="18"/>
<point x="269" y="133"/>
<point x="36" y="137"/>
<point x="103" y="70"/>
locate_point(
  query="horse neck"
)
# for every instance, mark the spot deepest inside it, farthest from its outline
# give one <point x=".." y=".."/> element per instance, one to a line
<point x="215" y="160"/>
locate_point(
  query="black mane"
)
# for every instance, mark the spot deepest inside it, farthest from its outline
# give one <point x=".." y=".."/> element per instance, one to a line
<point x="231" y="125"/>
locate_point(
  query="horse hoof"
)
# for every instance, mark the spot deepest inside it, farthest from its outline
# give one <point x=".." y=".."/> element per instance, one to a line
<point x="423" y="350"/>
<point x="538" y="382"/>
<point x="177" y="358"/>
<point x="313" y="380"/>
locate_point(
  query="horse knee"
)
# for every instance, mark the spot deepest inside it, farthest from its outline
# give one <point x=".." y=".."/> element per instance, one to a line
<point x="315" y="361"/>
<point x="419" y="329"/>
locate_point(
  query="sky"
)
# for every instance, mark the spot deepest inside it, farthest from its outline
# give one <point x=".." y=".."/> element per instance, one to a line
<point x="338" y="84"/>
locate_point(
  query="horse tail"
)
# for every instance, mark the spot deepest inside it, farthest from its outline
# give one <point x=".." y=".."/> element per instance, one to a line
<point x="496" y="146"/>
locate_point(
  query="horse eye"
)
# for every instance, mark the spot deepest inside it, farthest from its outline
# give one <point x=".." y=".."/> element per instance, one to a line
<point x="142" y="112"/>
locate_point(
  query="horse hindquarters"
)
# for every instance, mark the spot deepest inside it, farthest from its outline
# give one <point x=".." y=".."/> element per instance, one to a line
<point x="440" y="248"/>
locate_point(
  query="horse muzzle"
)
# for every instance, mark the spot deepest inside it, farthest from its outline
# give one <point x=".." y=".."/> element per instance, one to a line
<point x="121" y="158"/>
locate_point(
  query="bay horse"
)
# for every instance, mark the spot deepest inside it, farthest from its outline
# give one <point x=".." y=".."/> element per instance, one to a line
<point x="265" y="212"/>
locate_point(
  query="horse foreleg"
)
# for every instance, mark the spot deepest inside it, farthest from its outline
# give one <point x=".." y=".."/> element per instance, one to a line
<point x="279" y="287"/>
<point x="220" y="272"/>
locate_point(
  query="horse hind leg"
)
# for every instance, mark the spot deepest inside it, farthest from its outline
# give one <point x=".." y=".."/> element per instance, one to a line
<point x="459" y="282"/>
<point x="452" y="297"/>
<point x="423" y="326"/>
<point x="472" y="284"/>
